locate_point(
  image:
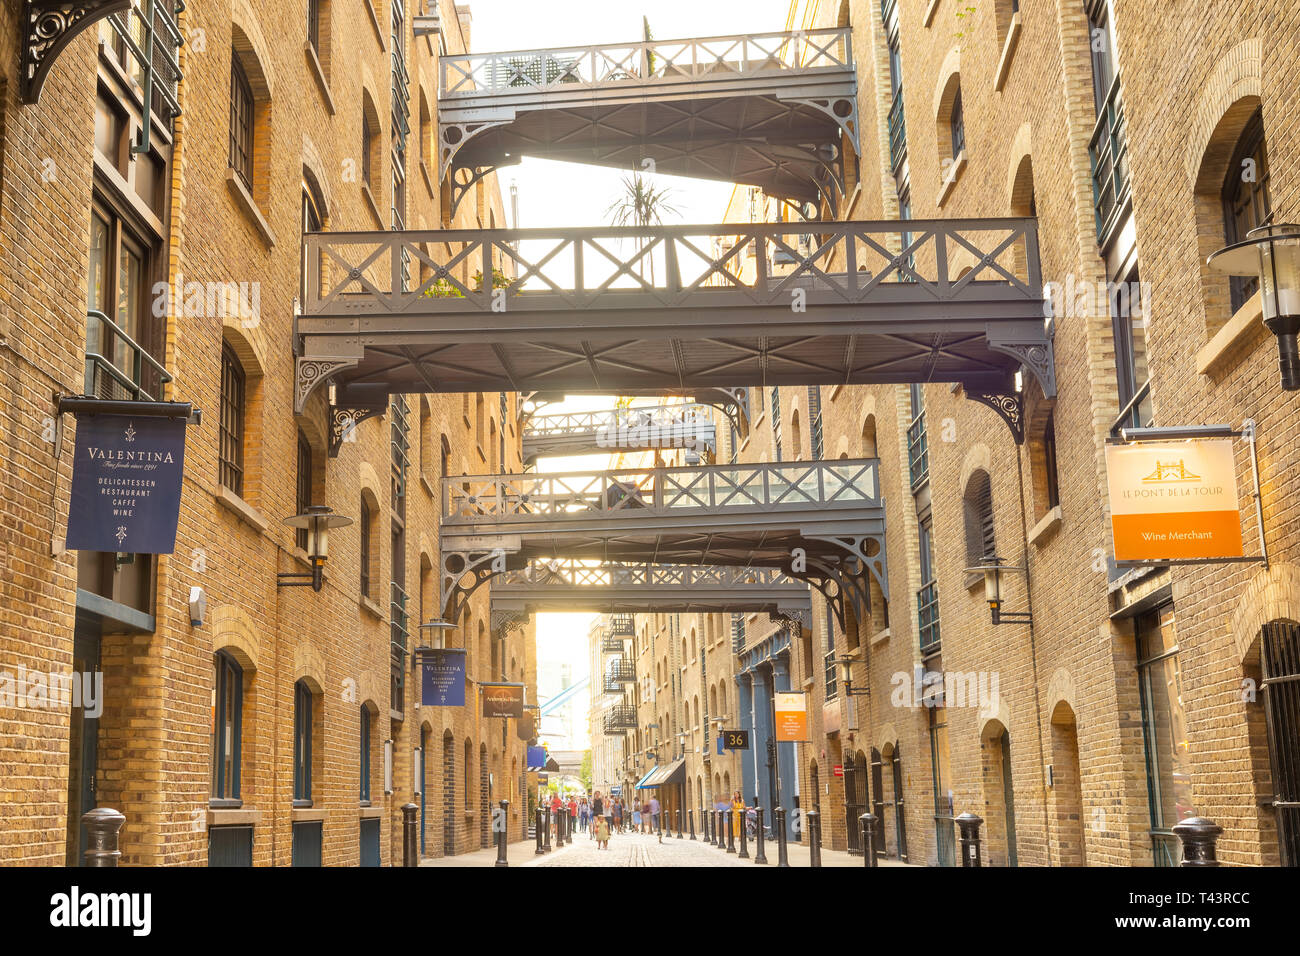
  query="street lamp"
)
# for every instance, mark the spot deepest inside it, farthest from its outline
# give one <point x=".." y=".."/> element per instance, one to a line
<point x="439" y="627"/>
<point x="316" y="520"/>
<point x="1272" y="254"/>
<point x="845" y="667"/>
<point x="992" y="570"/>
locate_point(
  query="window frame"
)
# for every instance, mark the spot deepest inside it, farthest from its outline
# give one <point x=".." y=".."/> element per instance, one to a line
<point x="232" y="421"/>
<point x="303" y="713"/>
<point x="225" y="792"/>
<point x="243" y="104"/>
<point x="365" y="755"/>
<point x="303" y="489"/>
<point x="1254" y="200"/>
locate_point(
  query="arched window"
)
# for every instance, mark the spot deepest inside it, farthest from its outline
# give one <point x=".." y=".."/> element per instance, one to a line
<point x="234" y="400"/>
<point x="241" y="121"/>
<point x="977" y="506"/>
<point x="303" y="734"/>
<point x="365" y="549"/>
<point x="227" y="708"/>
<point x="957" y="125"/>
<point x="1246" y="200"/>
<point x="303" y="490"/>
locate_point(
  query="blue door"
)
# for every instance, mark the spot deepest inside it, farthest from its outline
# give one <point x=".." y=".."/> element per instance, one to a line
<point x="84" y="742"/>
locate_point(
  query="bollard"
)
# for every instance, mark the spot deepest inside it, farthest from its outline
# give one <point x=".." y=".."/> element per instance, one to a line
<point x="744" y="844"/>
<point x="707" y="816"/>
<point x="759" y="856"/>
<point x="103" y="826"/>
<point x="723" y="829"/>
<point x="541" y="825"/>
<point x="969" y="824"/>
<point x="410" y="835"/>
<point x="814" y="837"/>
<point x="679" y="823"/>
<point x="659" y="826"/>
<point x="867" y="828"/>
<point x="1199" y="837"/>
<point x="561" y="827"/>
<point x="778" y="824"/>
<point x="503" y="835"/>
<point x="731" y="830"/>
<point x="546" y="826"/>
<point x="690" y="822"/>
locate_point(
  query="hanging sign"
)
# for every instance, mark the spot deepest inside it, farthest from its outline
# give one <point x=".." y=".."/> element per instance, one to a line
<point x="126" y="484"/>
<point x="526" y="729"/>
<point x="503" y="700"/>
<point x="791" y="716"/>
<point x="442" y="676"/>
<point x="536" y="758"/>
<point x="734" y="740"/>
<point x="1174" y="500"/>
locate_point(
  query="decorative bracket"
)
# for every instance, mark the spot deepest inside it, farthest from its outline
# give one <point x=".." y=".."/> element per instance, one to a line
<point x="454" y="590"/>
<point x="49" y="26"/>
<point x="477" y="174"/>
<point x="310" y="373"/>
<point x="1011" y="408"/>
<point x="453" y="136"/>
<point x="1037" y="356"/>
<point x="843" y="110"/>
<point x="865" y="550"/>
<point x="344" y="421"/>
<point x="504" y="621"/>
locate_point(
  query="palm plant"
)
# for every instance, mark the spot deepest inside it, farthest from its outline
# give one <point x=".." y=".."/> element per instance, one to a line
<point x="641" y="204"/>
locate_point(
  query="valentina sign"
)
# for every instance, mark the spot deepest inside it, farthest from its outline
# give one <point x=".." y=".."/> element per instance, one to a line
<point x="126" y="484"/>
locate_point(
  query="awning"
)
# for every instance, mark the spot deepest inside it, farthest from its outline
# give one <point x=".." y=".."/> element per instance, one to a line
<point x="641" y="784"/>
<point x="662" y="776"/>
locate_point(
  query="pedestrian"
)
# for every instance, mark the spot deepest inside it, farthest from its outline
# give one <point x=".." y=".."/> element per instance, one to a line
<point x="654" y="813"/>
<point x="597" y="813"/>
<point x="602" y="832"/>
<point x="573" y="813"/>
<point x="618" y="815"/>
<point x="737" y="813"/>
<point x="584" y="812"/>
<point x="636" y="816"/>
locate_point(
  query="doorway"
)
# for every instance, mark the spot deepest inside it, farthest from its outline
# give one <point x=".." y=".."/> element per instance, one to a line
<point x="83" y="743"/>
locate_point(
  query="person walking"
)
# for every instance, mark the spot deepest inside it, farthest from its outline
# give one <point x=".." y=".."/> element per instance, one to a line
<point x="636" y="816"/>
<point x="584" y="813"/>
<point x="573" y="813"/>
<point x="654" y="813"/>
<point x="601" y="832"/>
<point x="618" y="816"/>
<point x="597" y="813"/>
<point x="737" y="813"/>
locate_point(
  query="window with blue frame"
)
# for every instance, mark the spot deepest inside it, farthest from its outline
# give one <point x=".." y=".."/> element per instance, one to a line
<point x="302" y="743"/>
<point x="365" y="756"/>
<point x="227" y="704"/>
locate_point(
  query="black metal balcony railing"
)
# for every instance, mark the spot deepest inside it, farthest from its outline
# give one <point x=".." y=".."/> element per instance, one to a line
<point x="927" y="615"/>
<point x="612" y="645"/>
<point x="399" y="622"/>
<point x="117" y="366"/>
<point x="1108" y="154"/>
<point x="737" y="633"/>
<point x="918" y="454"/>
<point x="897" y="133"/>
<point x="622" y="625"/>
<point x="619" y="719"/>
<point x="151" y="57"/>
<point x="400" y="442"/>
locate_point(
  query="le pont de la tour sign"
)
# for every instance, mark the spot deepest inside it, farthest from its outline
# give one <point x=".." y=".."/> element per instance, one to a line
<point x="126" y="484"/>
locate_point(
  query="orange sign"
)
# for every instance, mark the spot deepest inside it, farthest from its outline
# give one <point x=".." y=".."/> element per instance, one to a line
<point x="1174" y="500"/>
<point x="791" y="716"/>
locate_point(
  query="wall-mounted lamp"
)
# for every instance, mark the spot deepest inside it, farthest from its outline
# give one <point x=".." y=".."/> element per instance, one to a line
<point x="844" y="671"/>
<point x="438" y="628"/>
<point x="388" y="766"/>
<point x="417" y="771"/>
<point x="1272" y="255"/>
<point x="317" y="520"/>
<point x="993" y="569"/>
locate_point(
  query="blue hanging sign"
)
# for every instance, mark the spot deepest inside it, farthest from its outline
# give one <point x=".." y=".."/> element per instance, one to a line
<point x="442" y="676"/>
<point x="536" y="757"/>
<point x="126" y="484"/>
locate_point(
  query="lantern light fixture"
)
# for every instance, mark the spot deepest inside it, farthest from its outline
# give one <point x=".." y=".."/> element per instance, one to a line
<point x="316" y="521"/>
<point x="1271" y="254"/>
<point x="993" y="569"/>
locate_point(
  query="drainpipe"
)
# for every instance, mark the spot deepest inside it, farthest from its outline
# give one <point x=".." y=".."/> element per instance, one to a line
<point x="1033" y="658"/>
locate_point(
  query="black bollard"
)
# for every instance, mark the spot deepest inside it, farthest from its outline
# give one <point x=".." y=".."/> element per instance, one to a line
<point x="1200" y="837"/>
<point x="659" y="825"/>
<point x="103" y="826"/>
<point x="969" y="824"/>
<point x="759" y="855"/>
<point x="814" y="837"/>
<point x="690" y="822"/>
<point x="744" y="844"/>
<point x="778" y="824"/>
<point x="503" y="834"/>
<point x="410" y="835"/>
<point x="561" y="827"/>
<point x="546" y="826"/>
<point x="731" y="830"/>
<point x="867" y="829"/>
<point x="679" y="823"/>
<point x="723" y="829"/>
<point x="707" y="817"/>
<point x="541" y="825"/>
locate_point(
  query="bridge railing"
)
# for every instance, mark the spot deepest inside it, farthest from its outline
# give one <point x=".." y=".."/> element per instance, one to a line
<point x="648" y="61"/>
<point x="780" y="486"/>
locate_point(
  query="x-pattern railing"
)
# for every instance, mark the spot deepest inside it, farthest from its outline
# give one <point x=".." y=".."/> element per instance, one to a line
<point x="569" y="572"/>
<point x="583" y="422"/>
<point x="668" y="266"/>
<point x="648" y="61"/>
<point x="840" y="484"/>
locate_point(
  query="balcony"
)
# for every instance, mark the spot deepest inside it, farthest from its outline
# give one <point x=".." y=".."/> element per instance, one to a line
<point x="623" y="429"/>
<point x="118" y="368"/>
<point x="586" y="311"/>
<point x="575" y="585"/>
<point x="760" y="109"/>
<point x="620" y="719"/>
<point x="612" y="645"/>
<point x="620" y="672"/>
<point x="927" y="615"/>
<point x="897" y="133"/>
<point x="1108" y="154"/>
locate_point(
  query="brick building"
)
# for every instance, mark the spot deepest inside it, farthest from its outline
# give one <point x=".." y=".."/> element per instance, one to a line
<point x="1142" y="140"/>
<point x="258" y="736"/>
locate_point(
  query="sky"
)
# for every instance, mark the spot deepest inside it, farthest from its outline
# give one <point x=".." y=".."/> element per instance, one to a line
<point x="555" y="194"/>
